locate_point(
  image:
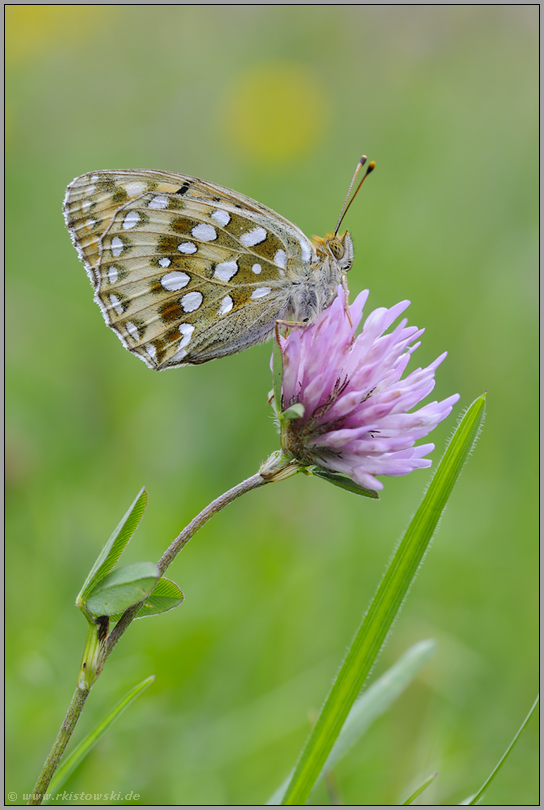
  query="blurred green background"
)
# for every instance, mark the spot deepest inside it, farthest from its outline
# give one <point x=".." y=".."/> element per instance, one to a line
<point x="277" y="102"/>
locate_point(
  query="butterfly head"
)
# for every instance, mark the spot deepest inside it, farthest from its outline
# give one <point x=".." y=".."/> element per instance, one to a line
<point x="335" y="247"/>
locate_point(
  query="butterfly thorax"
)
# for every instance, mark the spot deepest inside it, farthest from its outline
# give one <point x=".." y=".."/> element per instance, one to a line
<point x="333" y="259"/>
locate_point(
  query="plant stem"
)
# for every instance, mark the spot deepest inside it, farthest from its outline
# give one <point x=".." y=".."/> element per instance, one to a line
<point x="257" y="480"/>
<point x="212" y="509"/>
<point x="97" y="655"/>
<point x="63" y="737"/>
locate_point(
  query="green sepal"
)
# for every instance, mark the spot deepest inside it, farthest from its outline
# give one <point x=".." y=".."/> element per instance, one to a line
<point x="91" y="653"/>
<point x="341" y="481"/>
<point x="164" y="596"/>
<point x="294" y="412"/>
<point x="122" y="588"/>
<point x="109" y="556"/>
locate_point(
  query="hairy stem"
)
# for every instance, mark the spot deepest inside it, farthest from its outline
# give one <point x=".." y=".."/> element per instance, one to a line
<point x="174" y="549"/>
<point x="52" y="762"/>
<point x="99" y="657"/>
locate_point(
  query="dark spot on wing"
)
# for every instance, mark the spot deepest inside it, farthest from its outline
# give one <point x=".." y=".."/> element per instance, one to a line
<point x="184" y="189"/>
<point x="167" y="244"/>
<point x="120" y="196"/>
<point x="171" y="311"/>
<point x="172" y="335"/>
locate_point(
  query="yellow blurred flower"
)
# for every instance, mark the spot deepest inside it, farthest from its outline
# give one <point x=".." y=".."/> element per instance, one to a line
<point x="275" y="112"/>
<point x="34" y="29"/>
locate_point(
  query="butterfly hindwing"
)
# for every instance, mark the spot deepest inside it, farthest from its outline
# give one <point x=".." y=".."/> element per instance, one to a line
<point x="183" y="270"/>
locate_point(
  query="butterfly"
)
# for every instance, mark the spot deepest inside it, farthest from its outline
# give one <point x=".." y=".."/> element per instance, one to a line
<point x="185" y="271"/>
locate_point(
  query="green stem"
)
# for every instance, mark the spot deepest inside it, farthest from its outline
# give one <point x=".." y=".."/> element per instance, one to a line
<point x="212" y="509"/>
<point x="87" y="675"/>
<point x="257" y="480"/>
<point x="52" y="762"/>
<point x="96" y="653"/>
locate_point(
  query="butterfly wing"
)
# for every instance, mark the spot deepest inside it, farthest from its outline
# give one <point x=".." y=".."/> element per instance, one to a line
<point x="183" y="270"/>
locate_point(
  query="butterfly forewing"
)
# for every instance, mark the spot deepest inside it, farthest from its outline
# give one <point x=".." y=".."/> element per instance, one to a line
<point x="183" y="270"/>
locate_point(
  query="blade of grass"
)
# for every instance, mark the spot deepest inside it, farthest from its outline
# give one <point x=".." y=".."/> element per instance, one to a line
<point x="383" y="609"/>
<point x="420" y="789"/>
<point x="371" y="704"/>
<point x="378" y="698"/>
<point x="81" y="751"/>
<point x="477" y="796"/>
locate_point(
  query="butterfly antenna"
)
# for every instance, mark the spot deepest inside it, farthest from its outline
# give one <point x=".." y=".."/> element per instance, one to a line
<point x="346" y="205"/>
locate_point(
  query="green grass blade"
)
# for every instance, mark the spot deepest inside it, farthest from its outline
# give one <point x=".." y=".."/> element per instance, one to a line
<point x="115" y="546"/>
<point x="371" y="704"/>
<point x="383" y="609"/>
<point x="378" y="698"/>
<point x="420" y="789"/>
<point x="79" y="753"/>
<point x="477" y="796"/>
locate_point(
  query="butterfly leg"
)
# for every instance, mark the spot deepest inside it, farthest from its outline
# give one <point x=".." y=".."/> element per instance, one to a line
<point x="287" y="324"/>
<point x="290" y="323"/>
<point x="346" y="297"/>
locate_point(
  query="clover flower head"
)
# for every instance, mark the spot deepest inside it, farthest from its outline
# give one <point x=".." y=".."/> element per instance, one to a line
<point x="357" y="418"/>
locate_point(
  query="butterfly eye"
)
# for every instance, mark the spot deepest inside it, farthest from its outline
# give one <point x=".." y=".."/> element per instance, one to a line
<point x="336" y="248"/>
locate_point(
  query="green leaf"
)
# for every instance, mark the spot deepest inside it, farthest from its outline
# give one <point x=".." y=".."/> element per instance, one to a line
<point x="383" y="609"/>
<point x="164" y="596"/>
<point x="122" y="588"/>
<point x="81" y="751"/>
<point x="109" y="556"/>
<point x="420" y="789"/>
<point x="341" y="481"/>
<point x="294" y="412"/>
<point x="477" y="796"/>
<point x="371" y="704"/>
